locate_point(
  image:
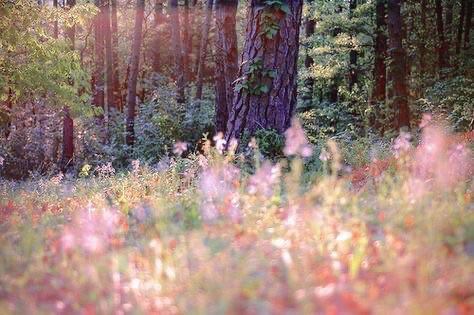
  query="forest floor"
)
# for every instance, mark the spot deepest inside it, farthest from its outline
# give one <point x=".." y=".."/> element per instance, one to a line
<point x="203" y="236"/>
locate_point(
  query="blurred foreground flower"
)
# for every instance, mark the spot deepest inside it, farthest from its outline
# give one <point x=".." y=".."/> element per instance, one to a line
<point x="135" y="166"/>
<point x="296" y="142"/>
<point x="401" y="144"/>
<point x="264" y="180"/>
<point x="180" y="148"/>
<point x="219" y="193"/>
<point x="220" y="142"/>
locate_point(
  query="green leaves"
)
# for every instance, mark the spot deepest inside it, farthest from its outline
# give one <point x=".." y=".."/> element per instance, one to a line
<point x="251" y="81"/>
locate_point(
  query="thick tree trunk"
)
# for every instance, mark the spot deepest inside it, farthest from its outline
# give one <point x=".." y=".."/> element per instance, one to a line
<point x="99" y="89"/>
<point x="397" y="68"/>
<point x="442" y="46"/>
<point x="117" y="94"/>
<point x="449" y="30"/>
<point x="111" y="104"/>
<point x="134" y="68"/>
<point x="266" y="89"/>
<point x="353" y="71"/>
<point x="177" y="51"/>
<point x="462" y="17"/>
<point x="467" y="29"/>
<point x="203" y="49"/>
<point x="309" y="28"/>
<point x="380" y="71"/>
<point x="226" y="60"/>
<point x="155" y="45"/>
<point x="68" y="123"/>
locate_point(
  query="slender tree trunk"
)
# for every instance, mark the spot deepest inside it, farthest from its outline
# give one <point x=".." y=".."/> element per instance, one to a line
<point x="192" y="32"/>
<point x="203" y="49"/>
<point x="187" y="53"/>
<point x="467" y="29"/>
<point x="397" y="68"/>
<point x="226" y="60"/>
<point x="353" y="72"/>
<point x="111" y="104"/>
<point x="117" y="94"/>
<point x="462" y="16"/>
<point x="266" y="89"/>
<point x="134" y="69"/>
<point x="99" y="88"/>
<point x="177" y="51"/>
<point x="56" y="27"/>
<point x="449" y="30"/>
<point x="380" y="71"/>
<point x="310" y="25"/>
<point x="155" y="46"/>
<point x="442" y="47"/>
<point x="422" y="48"/>
<point x="68" y="123"/>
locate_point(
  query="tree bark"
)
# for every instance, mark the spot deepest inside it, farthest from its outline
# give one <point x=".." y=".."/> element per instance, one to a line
<point x="111" y="102"/>
<point x="467" y="29"/>
<point x="462" y="16"/>
<point x="227" y="66"/>
<point x="155" y="46"/>
<point x="309" y="28"/>
<point x="177" y="51"/>
<point x="55" y="26"/>
<point x="68" y="123"/>
<point x="117" y="93"/>
<point x="266" y="89"/>
<point x="380" y="52"/>
<point x="353" y="75"/>
<point x="203" y="49"/>
<point x="442" y="46"/>
<point x="397" y="68"/>
<point x="134" y="68"/>
<point x="99" y="89"/>
<point x="187" y="53"/>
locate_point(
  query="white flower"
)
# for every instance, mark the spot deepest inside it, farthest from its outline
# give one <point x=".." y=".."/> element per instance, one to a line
<point x="220" y="142"/>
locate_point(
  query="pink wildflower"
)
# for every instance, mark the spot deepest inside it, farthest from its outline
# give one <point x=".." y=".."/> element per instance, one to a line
<point x="425" y="120"/>
<point x="180" y="148"/>
<point x="264" y="180"/>
<point x="325" y="155"/>
<point x="401" y="144"/>
<point x="296" y="142"/>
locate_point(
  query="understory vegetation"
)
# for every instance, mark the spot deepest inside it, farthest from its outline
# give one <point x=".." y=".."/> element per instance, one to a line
<point x="217" y="233"/>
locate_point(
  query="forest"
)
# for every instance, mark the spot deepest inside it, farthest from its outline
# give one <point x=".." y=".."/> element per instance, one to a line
<point x="236" y="157"/>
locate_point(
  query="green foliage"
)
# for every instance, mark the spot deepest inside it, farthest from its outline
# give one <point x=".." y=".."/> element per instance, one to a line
<point x="33" y="65"/>
<point x="454" y="99"/>
<point x="270" y="143"/>
<point x="252" y="80"/>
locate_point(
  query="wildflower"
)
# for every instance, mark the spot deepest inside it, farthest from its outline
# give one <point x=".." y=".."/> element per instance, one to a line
<point x="264" y="180"/>
<point x="218" y="193"/>
<point x="425" y="120"/>
<point x="57" y="179"/>
<point x="325" y="155"/>
<point x="135" y="166"/>
<point x="2" y="160"/>
<point x="296" y="142"/>
<point x="401" y="144"/>
<point x="105" y="170"/>
<point x="220" y="142"/>
<point x="180" y="148"/>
